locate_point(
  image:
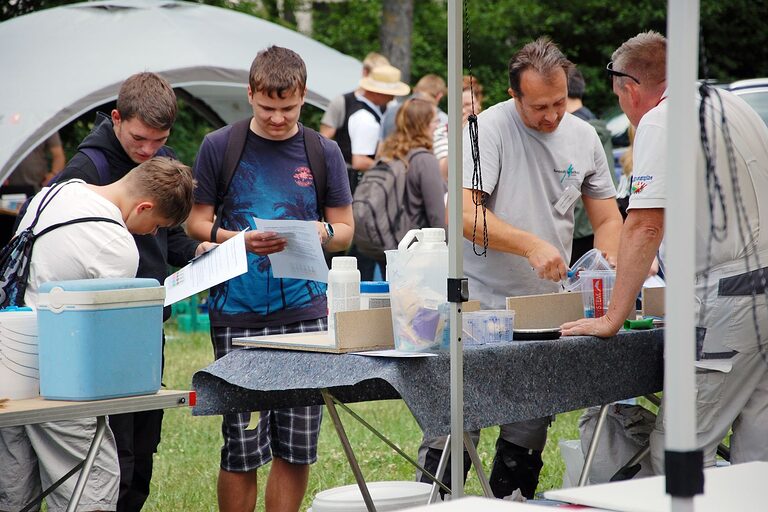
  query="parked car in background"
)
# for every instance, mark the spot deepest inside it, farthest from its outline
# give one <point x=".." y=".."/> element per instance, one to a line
<point x="754" y="91"/>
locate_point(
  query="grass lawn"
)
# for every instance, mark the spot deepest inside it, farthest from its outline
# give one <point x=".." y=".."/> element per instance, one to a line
<point x="186" y="465"/>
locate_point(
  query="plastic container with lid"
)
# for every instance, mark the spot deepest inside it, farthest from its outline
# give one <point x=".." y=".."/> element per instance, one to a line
<point x="591" y="260"/>
<point x="489" y="326"/>
<point x="343" y="289"/>
<point x="417" y="273"/>
<point x="374" y="294"/>
<point x="100" y="338"/>
<point x="596" y="291"/>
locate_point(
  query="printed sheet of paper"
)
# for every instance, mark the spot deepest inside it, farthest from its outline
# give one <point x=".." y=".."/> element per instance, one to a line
<point x="220" y="264"/>
<point x="302" y="257"/>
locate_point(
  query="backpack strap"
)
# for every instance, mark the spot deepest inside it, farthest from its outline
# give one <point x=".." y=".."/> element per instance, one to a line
<point x="234" y="151"/>
<point x="100" y="162"/>
<point x="316" y="158"/>
<point x="75" y="221"/>
<point x="238" y="134"/>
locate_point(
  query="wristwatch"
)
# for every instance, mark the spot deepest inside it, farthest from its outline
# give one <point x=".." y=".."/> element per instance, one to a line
<point x="329" y="232"/>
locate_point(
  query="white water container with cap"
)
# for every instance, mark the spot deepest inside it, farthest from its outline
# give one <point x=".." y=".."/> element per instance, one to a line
<point x="417" y="273"/>
<point x="343" y="292"/>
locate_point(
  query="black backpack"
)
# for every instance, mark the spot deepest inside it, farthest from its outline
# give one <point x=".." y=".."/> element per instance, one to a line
<point x="236" y="144"/>
<point x="379" y="209"/>
<point x="15" y="257"/>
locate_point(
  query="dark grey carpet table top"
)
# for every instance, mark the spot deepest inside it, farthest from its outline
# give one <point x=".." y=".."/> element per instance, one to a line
<point x="502" y="382"/>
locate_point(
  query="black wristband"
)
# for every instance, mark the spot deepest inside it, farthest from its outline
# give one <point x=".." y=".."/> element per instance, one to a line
<point x="214" y="232"/>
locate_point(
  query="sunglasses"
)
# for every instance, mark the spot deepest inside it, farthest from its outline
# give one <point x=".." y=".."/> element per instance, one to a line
<point x="612" y="73"/>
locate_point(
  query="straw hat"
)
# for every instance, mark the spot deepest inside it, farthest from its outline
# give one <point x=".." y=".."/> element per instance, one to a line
<point x="385" y="80"/>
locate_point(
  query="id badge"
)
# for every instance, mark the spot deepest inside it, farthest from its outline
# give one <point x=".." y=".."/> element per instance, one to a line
<point x="570" y="195"/>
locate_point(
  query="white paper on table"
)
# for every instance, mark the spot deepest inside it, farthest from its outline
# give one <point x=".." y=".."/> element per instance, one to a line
<point x="302" y="257"/>
<point x="393" y="353"/>
<point x="223" y="262"/>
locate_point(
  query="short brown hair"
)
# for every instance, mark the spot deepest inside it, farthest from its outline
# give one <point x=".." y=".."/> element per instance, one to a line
<point x="278" y="71"/>
<point x="471" y="83"/>
<point x="541" y="55"/>
<point x="148" y="97"/>
<point x="168" y="183"/>
<point x="411" y="129"/>
<point x="431" y="84"/>
<point x="644" y="57"/>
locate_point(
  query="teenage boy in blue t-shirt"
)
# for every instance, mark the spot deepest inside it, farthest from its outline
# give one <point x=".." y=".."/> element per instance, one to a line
<point x="273" y="180"/>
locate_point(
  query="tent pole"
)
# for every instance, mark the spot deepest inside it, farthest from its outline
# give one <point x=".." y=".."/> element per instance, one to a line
<point x="679" y="346"/>
<point x="455" y="240"/>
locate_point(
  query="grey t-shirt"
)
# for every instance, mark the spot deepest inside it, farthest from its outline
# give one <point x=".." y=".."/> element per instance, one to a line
<point x="526" y="172"/>
<point x="334" y="115"/>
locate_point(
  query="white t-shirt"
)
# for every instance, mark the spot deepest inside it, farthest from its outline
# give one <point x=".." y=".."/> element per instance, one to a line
<point x="364" y="129"/>
<point x="526" y="172"/>
<point x="80" y="251"/>
<point x="334" y="114"/>
<point x="750" y="144"/>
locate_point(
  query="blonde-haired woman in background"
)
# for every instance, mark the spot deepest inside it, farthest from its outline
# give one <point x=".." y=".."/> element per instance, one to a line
<point x="411" y="142"/>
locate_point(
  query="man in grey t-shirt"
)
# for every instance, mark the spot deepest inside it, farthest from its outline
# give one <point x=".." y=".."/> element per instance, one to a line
<point x="536" y="161"/>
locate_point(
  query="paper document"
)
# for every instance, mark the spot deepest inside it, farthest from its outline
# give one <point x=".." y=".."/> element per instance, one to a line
<point x="220" y="264"/>
<point x="302" y="257"/>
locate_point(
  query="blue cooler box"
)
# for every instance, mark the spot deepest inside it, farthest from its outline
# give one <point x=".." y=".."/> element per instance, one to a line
<point x="100" y="338"/>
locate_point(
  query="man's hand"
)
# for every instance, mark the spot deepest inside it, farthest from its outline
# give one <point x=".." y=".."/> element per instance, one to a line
<point x="604" y="327"/>
<point x="547" y="262"/>
<point x="322" y="233"/>
<point x="264" y="242"/>
<point x="204" y="247"/>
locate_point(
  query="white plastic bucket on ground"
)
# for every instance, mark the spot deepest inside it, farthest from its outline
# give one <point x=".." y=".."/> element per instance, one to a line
<point x="386" y="496"/>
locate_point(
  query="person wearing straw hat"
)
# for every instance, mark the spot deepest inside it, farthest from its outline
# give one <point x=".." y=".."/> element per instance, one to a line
<point x="358" y="137"/>
<point x="336" y="113"/>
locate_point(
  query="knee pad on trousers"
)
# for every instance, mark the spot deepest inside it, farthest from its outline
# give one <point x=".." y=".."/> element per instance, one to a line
<point x="431" y="462"/>
<point x="515" y="467"/>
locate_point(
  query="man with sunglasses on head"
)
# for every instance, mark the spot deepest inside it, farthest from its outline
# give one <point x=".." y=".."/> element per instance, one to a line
<point x="536" y="161"/>
<point x="731" y="371"/>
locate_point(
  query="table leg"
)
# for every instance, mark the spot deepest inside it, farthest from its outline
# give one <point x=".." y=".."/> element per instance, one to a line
<point x="347" y="450"/>
<point x="475" y="458"/>
<point x="593" y="445"/>
<point x="101" y="425"/>
<point x="440" y="472"/>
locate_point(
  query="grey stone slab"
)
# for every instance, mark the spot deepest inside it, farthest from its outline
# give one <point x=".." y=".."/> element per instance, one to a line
<point x="502" y="382"/>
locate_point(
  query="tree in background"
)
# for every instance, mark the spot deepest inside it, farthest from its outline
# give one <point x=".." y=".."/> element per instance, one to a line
<point x="587" y="31"/>
<point x="395" y="34"/>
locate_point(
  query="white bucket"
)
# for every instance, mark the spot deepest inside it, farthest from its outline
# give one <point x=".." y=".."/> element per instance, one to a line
<point x="19" y="375"/>
<point x="386" y="496"/>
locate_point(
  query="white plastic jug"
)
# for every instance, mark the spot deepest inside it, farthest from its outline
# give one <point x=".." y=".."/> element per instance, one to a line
<point x="417" y="273"/>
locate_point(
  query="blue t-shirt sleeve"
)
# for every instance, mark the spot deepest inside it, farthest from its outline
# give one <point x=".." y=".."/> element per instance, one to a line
<point x="206" y="168"/>
<point x="337" y="192"/>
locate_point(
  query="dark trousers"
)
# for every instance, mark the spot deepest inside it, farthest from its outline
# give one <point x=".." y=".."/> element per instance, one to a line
<point x="137" y="435"/>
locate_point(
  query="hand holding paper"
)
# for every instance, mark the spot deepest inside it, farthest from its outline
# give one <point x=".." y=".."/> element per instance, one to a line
<point x="208" y="269"/>
<point x="302" y="257"/>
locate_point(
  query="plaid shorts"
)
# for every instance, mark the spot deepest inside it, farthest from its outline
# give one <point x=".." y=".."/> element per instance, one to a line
<point x="290" y="434"/>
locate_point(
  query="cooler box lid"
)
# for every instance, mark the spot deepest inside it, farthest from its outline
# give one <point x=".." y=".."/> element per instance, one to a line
<point x="87" y="292"/>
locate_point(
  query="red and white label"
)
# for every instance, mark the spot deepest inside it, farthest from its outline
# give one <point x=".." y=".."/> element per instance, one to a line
<point x="597" y="294"/>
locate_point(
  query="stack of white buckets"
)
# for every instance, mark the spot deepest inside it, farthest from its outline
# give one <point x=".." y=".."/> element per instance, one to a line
<point x="19" y="375"/>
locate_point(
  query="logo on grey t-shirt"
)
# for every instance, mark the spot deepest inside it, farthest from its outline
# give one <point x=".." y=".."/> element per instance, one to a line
<point x="568" y="173"/>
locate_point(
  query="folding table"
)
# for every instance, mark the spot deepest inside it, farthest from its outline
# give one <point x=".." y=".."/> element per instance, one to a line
<point x="38" y="410"/>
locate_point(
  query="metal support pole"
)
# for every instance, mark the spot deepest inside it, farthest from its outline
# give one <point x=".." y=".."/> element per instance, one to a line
<point x="593" y="446"/>
<point x="327" y="398"/>
<point x="101" y="426"/>
<point x="455" y="237"/>
<point x="440" y="472"/>
<point x="478" y="464"/>
<point x="680" y="259"/>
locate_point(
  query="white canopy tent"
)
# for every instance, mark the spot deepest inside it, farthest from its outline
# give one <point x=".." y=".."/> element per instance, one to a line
<point x="60" y="63"/>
